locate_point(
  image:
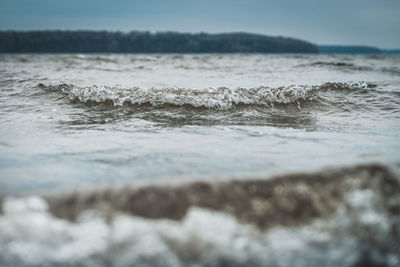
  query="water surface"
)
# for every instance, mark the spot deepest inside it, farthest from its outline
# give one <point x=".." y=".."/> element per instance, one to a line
<point x="73" y="121"/>
<point x="98" y="154"/>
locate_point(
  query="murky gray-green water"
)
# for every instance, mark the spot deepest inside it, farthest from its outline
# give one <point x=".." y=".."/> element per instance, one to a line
<point x="69" y="121"/>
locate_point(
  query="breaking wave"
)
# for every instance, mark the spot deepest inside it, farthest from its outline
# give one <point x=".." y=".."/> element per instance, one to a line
<point x="342" y="217"/>
<point x="221" y="98"/>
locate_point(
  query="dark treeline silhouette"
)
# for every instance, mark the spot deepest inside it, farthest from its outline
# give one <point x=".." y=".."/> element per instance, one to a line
<point x="146" y="42"/>
<point x="352" y="49"/>
<point x="391" y="51"/>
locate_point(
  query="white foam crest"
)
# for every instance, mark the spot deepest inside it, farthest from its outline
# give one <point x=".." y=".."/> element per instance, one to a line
<point x="31" y="236"/>
<point x="221" y="98"/>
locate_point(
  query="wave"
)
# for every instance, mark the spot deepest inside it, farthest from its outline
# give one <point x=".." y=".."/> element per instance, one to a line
<point x="337" y="217"/>
<point x="338" y="65"/>
<point x="221" y="98"/>
<point x="286" y="200"/>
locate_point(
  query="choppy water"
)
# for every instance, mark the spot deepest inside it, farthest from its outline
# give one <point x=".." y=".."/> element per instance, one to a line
<point x="83" y="120"/>
<point x="88" y="121"/>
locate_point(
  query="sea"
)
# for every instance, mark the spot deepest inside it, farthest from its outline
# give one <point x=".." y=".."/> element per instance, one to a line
<point x="199" y="160"/>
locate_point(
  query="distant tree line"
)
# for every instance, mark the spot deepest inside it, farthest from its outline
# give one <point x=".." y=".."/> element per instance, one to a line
<point x="338" y="49"/>
<point x="390" y="51"/>
<point x="146" y="42"/>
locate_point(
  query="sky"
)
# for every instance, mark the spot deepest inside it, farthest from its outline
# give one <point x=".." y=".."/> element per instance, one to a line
<point x="338" y="22"/>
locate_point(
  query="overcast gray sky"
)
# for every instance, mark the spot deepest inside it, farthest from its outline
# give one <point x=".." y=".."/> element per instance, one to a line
<point x="367" y="22"/>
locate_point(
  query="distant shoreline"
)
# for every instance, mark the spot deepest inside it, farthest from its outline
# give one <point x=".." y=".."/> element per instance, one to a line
<point x="146" y="42"/>
<point x="142" y="42"/>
